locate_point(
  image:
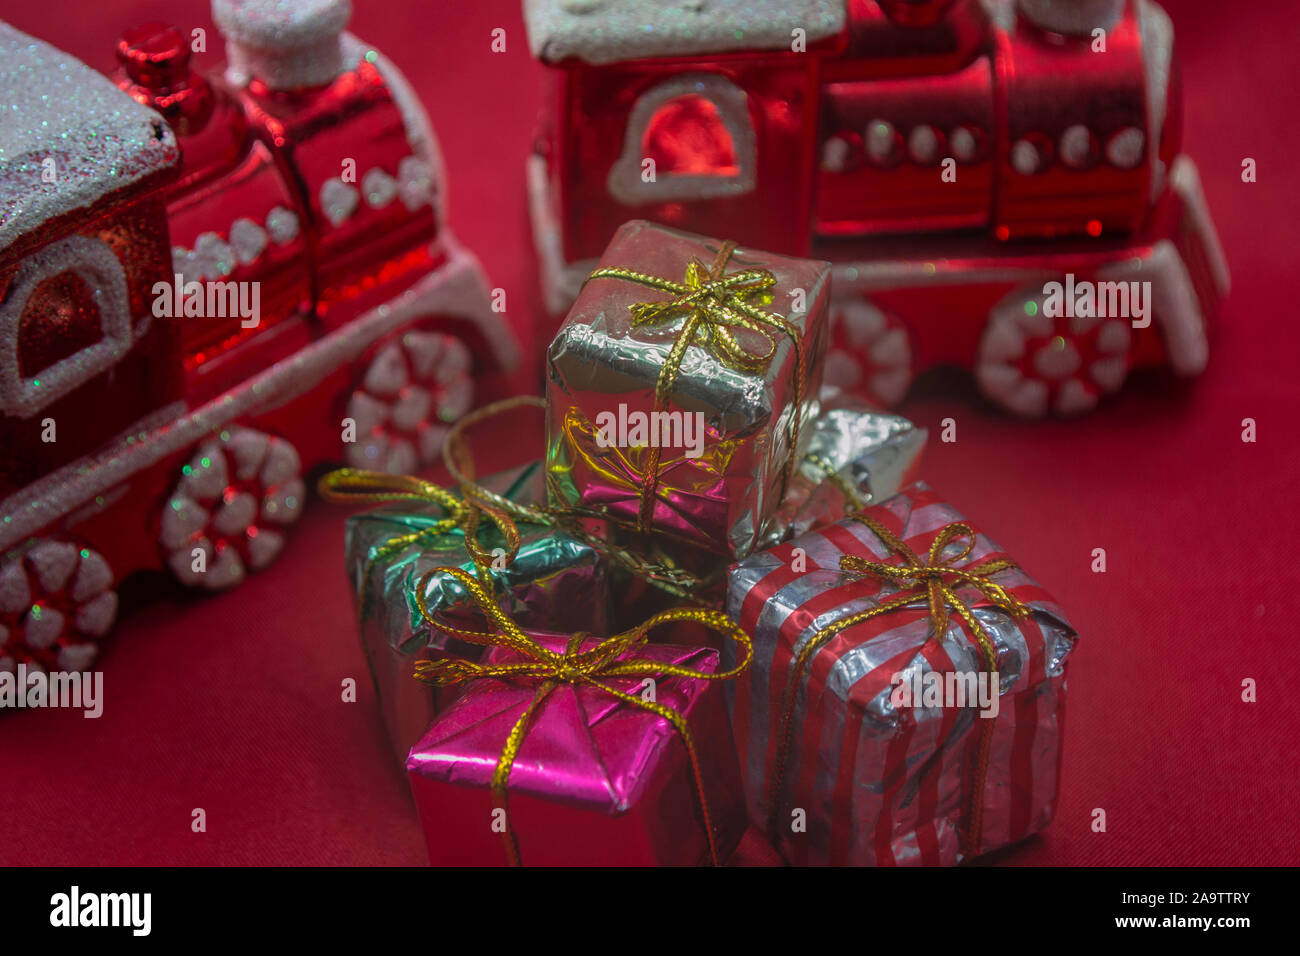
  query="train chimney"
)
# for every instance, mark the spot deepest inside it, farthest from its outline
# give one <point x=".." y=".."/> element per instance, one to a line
<point x="155" y="70"/>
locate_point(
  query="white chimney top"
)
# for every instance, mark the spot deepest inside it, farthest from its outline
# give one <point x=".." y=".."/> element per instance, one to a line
<point x="287" y="44"/>
<point x="1072" y="17"/>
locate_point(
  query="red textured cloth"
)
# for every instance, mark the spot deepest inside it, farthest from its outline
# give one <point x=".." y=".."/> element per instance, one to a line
<point x="232" y="703"/>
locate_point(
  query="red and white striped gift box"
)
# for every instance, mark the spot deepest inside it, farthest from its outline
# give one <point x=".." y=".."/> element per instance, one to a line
<point x="867" y="781"/>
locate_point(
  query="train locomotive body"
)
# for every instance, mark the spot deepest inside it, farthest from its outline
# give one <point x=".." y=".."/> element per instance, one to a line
<point x="210" y="284"/>
<point x="955" y="160"/>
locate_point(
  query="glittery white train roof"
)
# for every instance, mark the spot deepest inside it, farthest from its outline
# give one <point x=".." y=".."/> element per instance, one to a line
<point x="53" y="105"/>
<point x="610" y="31"/>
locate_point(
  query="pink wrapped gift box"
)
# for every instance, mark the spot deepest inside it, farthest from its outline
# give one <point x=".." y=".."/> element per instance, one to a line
<point x="597" y="781"/>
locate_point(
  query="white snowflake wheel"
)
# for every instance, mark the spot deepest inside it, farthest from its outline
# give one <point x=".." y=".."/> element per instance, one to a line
<point x="870" y="354"/>
<point x="1031" y="364"/>
<point x="232" y="503"/>
<point x="413" y="389"/>
<point x="56" y="602"/>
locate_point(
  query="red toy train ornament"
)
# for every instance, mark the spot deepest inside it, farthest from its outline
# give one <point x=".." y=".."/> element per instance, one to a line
<point x="951" y="158"/>
<point x="210" y="284"/>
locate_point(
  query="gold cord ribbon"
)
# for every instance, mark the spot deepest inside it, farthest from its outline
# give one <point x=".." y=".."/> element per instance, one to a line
<point x="547" y="669"/>
<point x="460" y="465"/>
<point x="713" y="305"/>
<point x="463" y="513"/>
<point x="624" y="468"/>
<point x="853" y="498"/>
<point x="459" y="461"/>
<point x="936" y="580"/>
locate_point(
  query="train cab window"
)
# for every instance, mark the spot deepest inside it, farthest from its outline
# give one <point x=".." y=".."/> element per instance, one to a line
<point x="55" y="332"/>
<point x="59" y="320"/>
<point x="688" y="138"/>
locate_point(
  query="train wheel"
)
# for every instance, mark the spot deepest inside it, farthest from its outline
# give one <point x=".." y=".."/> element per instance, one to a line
<point x="414" y="387"/>
<point x="1030" y="363"/>
<point x="230" y="508"/>
<point x="56" y="601"/>
<point x="870" y="354"/>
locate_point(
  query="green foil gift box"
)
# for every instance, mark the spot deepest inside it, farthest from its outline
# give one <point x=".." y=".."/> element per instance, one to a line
<point x="554" y="582"/>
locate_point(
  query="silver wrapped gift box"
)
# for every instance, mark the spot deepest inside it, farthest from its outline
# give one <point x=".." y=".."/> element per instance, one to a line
<point x="866" y="776"/>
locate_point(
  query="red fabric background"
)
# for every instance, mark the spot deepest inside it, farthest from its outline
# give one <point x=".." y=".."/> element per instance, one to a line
<point x="231" y="703"/>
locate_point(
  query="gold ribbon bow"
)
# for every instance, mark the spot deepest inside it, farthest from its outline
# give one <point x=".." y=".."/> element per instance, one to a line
<point x="547" y="669"/>
<point x="714" y="305"/>
<point x="936" y="580"/>
<point x="619" y="467"/>
<point x="463" y="513"/>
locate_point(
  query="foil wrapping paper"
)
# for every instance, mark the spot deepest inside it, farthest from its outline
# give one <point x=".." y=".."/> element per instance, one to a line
<point x="598" y="363"/>
<point x="597" y="781"/>
<point x="880" y="783"/>
<point x="639" y="599"/>
<point x="554" y="582"/>
<point x="873" y="453"/>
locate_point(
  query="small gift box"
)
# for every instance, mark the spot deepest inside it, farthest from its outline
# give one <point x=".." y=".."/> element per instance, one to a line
<point x="679" y="385"/>
<point x="575" y="750"/>
<point x="908" y="690"/>
<point x="555" y="581"/>
<point x="855" y="456"/>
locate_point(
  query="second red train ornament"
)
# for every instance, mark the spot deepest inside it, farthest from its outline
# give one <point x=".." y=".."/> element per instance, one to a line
<point x="998" y="184"/>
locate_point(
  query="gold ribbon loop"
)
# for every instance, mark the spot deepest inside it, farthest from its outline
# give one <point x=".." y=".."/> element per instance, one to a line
<point x="934" y="580"/>
<point x="347" y="485"/>
<point x="547" y="669"/>
<point x="460" y="465"/>
<point x="352" y="485"/>
<point x="459" y="461"/>
<point x="854" y="500"/>
<point x="713" y="305"/>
